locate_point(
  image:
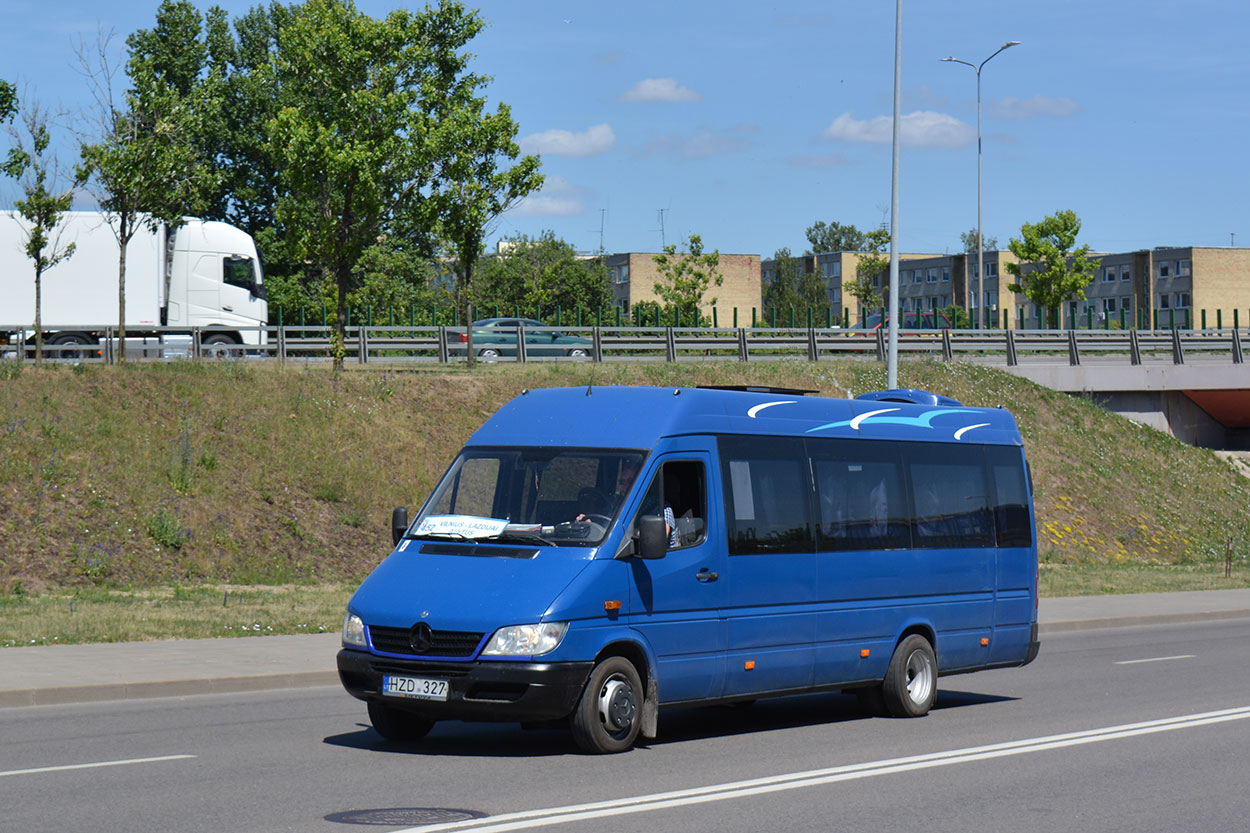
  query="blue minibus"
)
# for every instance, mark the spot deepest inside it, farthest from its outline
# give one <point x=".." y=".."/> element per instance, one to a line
<point x="596" y="554"/>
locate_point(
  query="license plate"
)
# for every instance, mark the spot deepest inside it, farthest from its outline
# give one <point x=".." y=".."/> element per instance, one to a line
<point x="417" y="688"/>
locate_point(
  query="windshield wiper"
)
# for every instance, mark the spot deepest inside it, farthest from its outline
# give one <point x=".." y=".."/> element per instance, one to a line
<point x="521" y="538"/>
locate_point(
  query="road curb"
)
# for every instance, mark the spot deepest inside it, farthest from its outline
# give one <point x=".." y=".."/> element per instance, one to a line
<point x="60" y="695"/>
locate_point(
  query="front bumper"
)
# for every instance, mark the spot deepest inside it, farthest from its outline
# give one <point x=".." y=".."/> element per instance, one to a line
<point x="478" y="691"/>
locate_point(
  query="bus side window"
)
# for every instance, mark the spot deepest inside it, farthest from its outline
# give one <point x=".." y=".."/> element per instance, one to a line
<point x="679" y="490"/>
<point x="860" y="495"/>
<point x="1011" y="497"/>
<point x="767" y="495"/>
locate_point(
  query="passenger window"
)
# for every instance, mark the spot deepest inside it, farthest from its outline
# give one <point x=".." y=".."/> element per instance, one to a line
<point x="860" y="496"/>
<point x="951" y="495"/>
<point x="1011" y="498"/>
<point x="766" y="495"/>
<point x="678" y="492"/>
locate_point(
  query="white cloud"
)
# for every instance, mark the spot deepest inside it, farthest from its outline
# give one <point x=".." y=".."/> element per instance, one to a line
<point x="705" y="143"/>
<point x="557" y="198"/>
<point x="659" y="89"/>
<point x="591" y="142"/>
<point x="921" y="129"/>
<point x="1037" y="106"/>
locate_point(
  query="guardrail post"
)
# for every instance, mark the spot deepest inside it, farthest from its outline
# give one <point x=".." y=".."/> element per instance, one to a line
<point x="281" y="345"/>
<point x="1074" y="353"/>
<point x="521" y="354"/>
<point x="948" y="352"/>
<point x="811" y="339"/>
<point x="196" y="342"/>
<point x="1238" y="358"/>
<point x="670" y="345"/>
<point x="743" y="353"/>
<point x="1178" y="354"/>
<point x="1134" y="347"/>
<point x="362" y="345"/>
<point x="443" y="357"/>
<point x="1012" y="360"/>
<point x="596" y="345"/>
<point x="881" y="342"/>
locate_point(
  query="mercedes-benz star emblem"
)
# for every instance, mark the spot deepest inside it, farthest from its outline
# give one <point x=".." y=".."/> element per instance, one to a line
<point x="421" y="638"/>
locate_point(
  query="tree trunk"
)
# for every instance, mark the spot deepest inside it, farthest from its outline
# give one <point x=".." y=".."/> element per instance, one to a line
<point x="123" y="241"/>
<point x="340" y="318"/>
<point x="468" y="315"/>
<point x="38" y="315"/>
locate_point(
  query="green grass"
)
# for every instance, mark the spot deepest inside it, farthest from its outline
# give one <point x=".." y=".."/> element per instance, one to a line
<point x="213" y="474"/>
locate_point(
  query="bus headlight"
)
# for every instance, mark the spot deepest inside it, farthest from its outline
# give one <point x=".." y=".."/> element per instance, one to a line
<point x="526" y="640"/>
<point x="353" y="630"/>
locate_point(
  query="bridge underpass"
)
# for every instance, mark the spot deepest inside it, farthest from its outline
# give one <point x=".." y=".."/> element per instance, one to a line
<point x="1205" y="404"/>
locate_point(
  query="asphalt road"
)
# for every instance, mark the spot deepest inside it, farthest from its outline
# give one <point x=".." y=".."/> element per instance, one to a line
<point x="1066" y="751"/>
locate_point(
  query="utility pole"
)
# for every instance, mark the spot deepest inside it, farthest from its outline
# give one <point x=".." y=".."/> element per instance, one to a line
<point x="663" y="242"/>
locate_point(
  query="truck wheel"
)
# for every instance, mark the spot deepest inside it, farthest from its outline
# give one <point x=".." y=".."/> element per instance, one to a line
<point x="396" y="724"/>
<point x="609" y="714"/>
<point x="910" y="684"/>
<point x="217" y="345"/>
<point x="74" y="338"/>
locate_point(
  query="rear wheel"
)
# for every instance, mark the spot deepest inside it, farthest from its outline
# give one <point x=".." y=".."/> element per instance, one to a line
<point x="396" y="724"/>
<point x="579" y="353"/>
<point x="609" y="715"/>
<point x="489" y="353"/>
<point x="910" y="684"/>
<point x="74" y="339"/>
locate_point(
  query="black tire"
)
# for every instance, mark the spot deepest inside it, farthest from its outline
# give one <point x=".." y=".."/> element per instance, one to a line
<point x="609" y="715"/>
<point x="910" y="684"/>
<point x="76" y="339"/>
<point x="397" y="724"/>
<point x="218" y="345"/>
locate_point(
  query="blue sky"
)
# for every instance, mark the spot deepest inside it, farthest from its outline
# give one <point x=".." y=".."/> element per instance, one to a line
<point x="745" y="122"/>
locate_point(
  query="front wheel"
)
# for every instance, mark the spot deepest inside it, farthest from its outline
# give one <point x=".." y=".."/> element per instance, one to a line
<point x="490" y="354"/>
<point x="396" y="724"/>
<point x="910" y="684"/>
<point x="609" y="714"/>
<point x="579" y="353"/>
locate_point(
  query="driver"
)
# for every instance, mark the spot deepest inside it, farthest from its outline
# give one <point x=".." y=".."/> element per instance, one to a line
<point x="592" y="501"/>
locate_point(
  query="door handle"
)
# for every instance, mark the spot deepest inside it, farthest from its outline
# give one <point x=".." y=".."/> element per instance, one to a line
<point x="705" y="575"/>
<point x="227" y="308"/>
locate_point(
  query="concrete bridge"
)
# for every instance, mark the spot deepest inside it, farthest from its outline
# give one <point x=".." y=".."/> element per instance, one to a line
<point x="1204" y="402"/>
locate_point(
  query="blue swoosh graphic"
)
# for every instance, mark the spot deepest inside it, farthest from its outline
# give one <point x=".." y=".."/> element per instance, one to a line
<point x="925" y="420"/>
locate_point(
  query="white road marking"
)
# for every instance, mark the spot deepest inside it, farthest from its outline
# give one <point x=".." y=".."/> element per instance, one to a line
<point x="1153" y="659"/>
<point x="95" y="765"/>
<point x="817" y="777"/>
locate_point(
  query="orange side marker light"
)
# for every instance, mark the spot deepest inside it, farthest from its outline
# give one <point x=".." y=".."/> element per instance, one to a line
<point x="984" y="642"/>
<point x="750" y="665"/>
<point x="611" y="606"/>
<point x="864" y="653"/>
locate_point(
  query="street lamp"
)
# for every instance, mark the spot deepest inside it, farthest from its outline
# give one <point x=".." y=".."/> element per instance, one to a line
<point x="980" y="246"/>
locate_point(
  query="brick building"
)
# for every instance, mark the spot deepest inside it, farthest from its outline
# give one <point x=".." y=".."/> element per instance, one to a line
<point x="634" y="275"/>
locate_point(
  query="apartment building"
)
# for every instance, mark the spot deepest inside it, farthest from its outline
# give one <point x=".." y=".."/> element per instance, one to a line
<point x="634" y="275"/>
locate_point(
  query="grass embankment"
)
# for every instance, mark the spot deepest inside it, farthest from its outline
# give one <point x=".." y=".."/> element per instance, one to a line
<point x="133" y="498"/>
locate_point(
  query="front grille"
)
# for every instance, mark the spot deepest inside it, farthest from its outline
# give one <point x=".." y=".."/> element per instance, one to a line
<point x="442" y="643"/>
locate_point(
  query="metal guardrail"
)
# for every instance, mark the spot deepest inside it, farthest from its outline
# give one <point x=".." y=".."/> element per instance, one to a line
<point x="442" y="345"/>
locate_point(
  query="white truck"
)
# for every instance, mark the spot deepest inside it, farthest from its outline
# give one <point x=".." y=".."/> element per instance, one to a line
<point x="200" y="274"/>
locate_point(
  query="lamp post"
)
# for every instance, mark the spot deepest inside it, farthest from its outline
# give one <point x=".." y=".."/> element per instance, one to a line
<point x="980" y="245"/>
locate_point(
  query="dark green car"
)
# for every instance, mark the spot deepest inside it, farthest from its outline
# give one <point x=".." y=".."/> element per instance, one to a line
<point x="497" y="337"/>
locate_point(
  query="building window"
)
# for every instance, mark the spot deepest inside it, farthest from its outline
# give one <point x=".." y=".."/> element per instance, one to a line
<point x="1182" y="268"/>
<point x="1126" y="303"/>
<point x="1108" y="304"/>
<point x="622" y="274"/>
<point x="1182" y="300"/>
<point x="991" y="269"/>
<point x="946" y="274"/>
<point x="1163" y="270"/>
<point x="1126" y="273"/>
<point x="1108" y="274"/>
<point x="1163" y="301"/>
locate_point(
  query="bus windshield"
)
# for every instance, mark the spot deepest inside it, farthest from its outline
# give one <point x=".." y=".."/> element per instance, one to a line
<point x="564" y="496"/>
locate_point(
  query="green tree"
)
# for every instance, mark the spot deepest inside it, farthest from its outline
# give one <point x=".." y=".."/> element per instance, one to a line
<point x="47" y="194"/>
<point x="143" y="166"/>
<point x="834" y="237"/>
<point x="541" y="273"/>
<point x="1050" y="267"/>
<point x="8" y="100"/>
<point x="968" y="239"/>
<point x="782" y="291"/>
<point x="866" y="287"/>
<point x="685" y="276"/>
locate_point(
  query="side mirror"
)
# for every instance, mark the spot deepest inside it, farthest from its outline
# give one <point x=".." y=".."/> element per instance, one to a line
<point x="652" y="537"/>
<point x="399" y="523"/>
